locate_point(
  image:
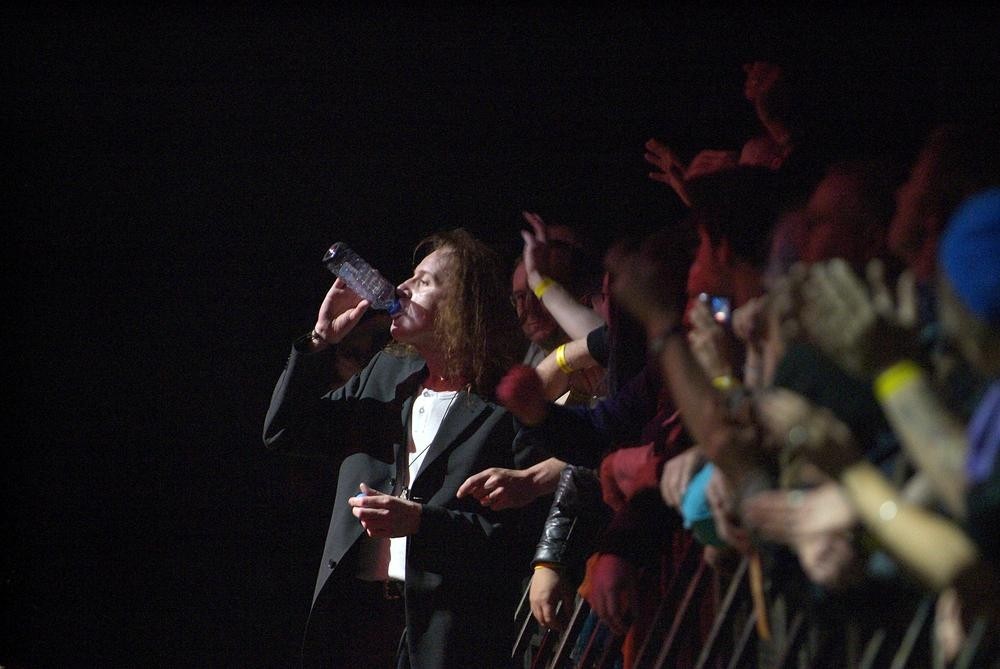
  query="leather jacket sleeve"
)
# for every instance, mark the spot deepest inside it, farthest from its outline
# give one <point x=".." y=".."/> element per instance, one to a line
<point x="576" y="516"/>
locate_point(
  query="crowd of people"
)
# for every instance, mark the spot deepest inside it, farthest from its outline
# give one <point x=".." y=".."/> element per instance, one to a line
<point x="794" y="386"/>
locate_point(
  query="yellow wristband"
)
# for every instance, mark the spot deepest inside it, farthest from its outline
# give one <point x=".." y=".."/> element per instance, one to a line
<point x="543" y="286"/>
<point x="892" y="380"/>
<point x="547" y="565"/>
<point x="724" y="382"/>
<point x="561" y="360"/>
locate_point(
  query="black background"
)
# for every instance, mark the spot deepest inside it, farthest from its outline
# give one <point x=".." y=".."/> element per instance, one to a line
<point x="176" y="174"/>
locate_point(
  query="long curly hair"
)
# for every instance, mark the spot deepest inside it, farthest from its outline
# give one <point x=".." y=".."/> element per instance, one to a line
<point x="476" y="325"/>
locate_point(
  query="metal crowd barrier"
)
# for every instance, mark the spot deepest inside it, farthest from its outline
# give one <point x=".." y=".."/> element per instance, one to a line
<point x="801" y="637"/>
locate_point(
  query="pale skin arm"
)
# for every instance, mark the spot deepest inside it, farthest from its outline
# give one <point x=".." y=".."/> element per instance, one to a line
<point x="710" y="161"/>
<point x="932" y="438"/>
<point x="555" y="382"/>
<point x="701" y="405"/>
<point x="932" y="546"/>
<point x="500" y="488"/>
<point x="675" y="174"/>
<point x="861" y="327"/>
<point x="929" y="544"/>
<point x="789" y="517"/>
<point x="575" y="319"/>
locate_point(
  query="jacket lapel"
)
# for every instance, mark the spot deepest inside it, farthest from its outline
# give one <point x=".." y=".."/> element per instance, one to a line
<point x="463" y="412"/>
<point x="407" y="390"/>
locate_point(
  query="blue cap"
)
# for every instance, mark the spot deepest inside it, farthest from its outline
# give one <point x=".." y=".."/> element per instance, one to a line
<point x="969" y="254"/>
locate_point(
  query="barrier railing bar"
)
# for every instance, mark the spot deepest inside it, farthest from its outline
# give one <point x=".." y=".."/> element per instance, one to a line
<point x="909" y="642"/>
<point x="695" y="588"/>
<point x="725" y="606"/>
<point x="743" y="642"/>
<point x="573" y="627"/>
<point x="662" y="618"/>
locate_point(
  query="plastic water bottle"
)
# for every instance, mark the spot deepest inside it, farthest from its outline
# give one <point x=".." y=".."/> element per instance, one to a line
<point x="361" y="277"/>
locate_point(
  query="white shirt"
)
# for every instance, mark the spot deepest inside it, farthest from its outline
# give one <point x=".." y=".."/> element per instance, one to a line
<point x="380" y="558"/>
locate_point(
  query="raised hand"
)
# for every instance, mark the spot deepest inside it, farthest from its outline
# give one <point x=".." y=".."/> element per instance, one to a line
<point x="750" y="326"/>
<point x="671" y="170"/>
<point x="857" y="323"/>
<point x="536" y="248"/>
<point x="709" y="342"/>
<point x="340" y="312"/>
<point x="748" y="319"/>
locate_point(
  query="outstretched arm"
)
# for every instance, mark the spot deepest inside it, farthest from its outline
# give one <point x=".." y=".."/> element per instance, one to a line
<point x="500" y="488"/>
<point x="575" y="319"/>
<point x="555" y="369"/>
<point x="935" y="548"/>
<point x="870" y="335"/>
<point x="650" y="284"/>
<point x="929" y="544"/>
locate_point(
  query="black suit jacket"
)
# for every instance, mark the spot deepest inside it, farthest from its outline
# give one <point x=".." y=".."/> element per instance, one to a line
<point x="465" y="564"/>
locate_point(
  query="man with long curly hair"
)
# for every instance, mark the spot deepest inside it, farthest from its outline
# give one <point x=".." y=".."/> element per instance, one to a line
<point x="402" y="550"/>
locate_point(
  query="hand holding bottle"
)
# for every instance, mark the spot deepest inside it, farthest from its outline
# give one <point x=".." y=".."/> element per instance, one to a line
<point x="358" y="286"/>
<point x="340" y="312"/>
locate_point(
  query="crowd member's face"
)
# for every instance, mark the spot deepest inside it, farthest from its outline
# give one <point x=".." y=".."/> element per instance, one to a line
<point x="833" y="213"/>
<point x="535" y="320"/>
<point x="599" y="301"/>
<point x="420" y="299"/>
<point x="843" y="222"/>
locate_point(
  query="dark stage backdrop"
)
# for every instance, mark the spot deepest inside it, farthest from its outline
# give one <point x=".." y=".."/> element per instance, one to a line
<point x="176" y="176"/>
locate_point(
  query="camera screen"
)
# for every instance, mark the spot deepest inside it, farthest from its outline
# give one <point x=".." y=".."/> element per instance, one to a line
<point x="718" y="306"/>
